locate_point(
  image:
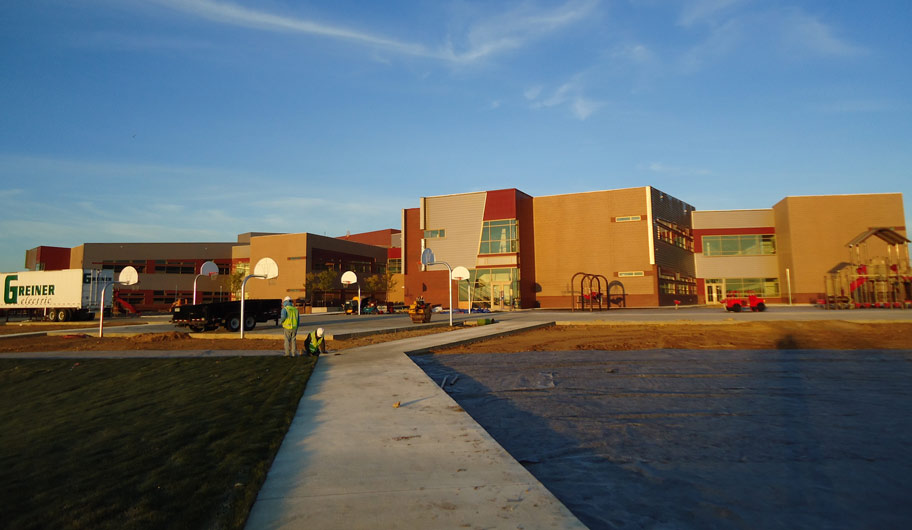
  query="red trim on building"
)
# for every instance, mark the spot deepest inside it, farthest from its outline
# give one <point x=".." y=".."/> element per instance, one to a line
<point x="698" y="234"/>
<point x="500" y="204"/>
<point x="393" y="253"/>
<point x="377" y="238"/>
<point x="52" y="258"/>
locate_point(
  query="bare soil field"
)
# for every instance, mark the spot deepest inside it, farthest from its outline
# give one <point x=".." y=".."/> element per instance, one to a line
<point x="814" y="335"/>
<point x="10" y="328"/>
<point x="178" y="341"/>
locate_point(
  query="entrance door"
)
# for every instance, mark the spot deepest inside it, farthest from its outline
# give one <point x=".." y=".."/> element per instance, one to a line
<point x="714" y="293"/>
<point x="502" y="295"/>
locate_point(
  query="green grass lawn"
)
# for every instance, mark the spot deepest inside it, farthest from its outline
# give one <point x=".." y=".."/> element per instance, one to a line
<point x="141" y="443"/>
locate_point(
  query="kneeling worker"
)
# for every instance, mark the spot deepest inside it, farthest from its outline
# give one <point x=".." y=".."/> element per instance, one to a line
<point x="314" y="343"/>
<point x="289" y="319"/>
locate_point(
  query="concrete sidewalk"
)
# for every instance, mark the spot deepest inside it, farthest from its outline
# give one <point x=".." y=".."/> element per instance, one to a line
<point x="351" y="459"/>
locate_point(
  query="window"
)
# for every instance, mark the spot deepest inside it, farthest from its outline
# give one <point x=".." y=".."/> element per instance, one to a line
<point x="394" y="265"/>
<point x="674" y="283"/>
<point x="740" y="245"/>
<point x="627" y="219"/>
<point x="674" y="234"/>
<point x="768" y="287"/>
<point x="119" y="265"/>
<point x="499" y="237"/>
<point x="435" y="234"/>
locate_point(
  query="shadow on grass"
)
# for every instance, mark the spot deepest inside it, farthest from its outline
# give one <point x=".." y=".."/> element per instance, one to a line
<point x="141" y="443"/>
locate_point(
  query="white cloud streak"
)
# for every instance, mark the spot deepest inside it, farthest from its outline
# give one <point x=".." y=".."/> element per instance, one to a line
<point x="570" y="94"/>
<point x="491" y="36"/>
<point x="665" y="169"/>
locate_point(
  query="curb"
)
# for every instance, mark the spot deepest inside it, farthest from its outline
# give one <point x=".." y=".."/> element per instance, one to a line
<point x="461" y="342"/>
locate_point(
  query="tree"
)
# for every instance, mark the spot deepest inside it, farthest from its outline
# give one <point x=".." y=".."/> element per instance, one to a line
<point x="380" y="283"/>
<point x="235" y="281"/>
<point x="322" y="281"/>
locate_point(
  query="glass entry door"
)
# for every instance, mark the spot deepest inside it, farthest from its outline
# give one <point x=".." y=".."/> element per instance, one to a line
<point x="502" y="293"/>
<point x="714" y="293"/>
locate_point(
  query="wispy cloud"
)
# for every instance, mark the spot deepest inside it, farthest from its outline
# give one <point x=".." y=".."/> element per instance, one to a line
<point x="696" y="11"/>
<point x="570" y="94"/>
<point x="665" y="169"/>
<point x="804" y="32"/>
<point x="481" y="39"/>
<point x="792" y="32"/>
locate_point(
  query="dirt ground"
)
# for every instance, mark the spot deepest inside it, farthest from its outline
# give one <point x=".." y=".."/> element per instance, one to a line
<point x="89" y="341"/>
<point x="815" y="335"/>
<point x="609" y="337"/>
<point x="9" y="328"/>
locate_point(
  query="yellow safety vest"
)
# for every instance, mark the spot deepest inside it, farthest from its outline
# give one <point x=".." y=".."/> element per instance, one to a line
<point x="291" y="321"/>
<point x="315" y="343"/>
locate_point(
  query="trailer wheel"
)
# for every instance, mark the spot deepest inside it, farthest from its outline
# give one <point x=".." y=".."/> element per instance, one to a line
<point x="249" y="322"/>
<point x="52" y="315"/>
<point x="64" y="315"/>
<point x="197" y="329"/>
<point x="233" y="323"/>
<point x="761" y="306"/>
<point x="736" y="308"/>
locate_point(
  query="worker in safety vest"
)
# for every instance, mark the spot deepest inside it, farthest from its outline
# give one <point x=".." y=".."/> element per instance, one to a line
<point x="314" y="344"/>
<point x="289" y="319"/>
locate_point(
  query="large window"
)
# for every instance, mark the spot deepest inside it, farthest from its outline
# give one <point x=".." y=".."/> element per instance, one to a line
<point x="394" y="265"/>
<point x="675" y="283"/>
<point x="740" y="245"/>
<point x="768" y="287"/>
<point x="119" y="265"/>
<point x="486" y="285"/>
<point x="499" y="237"/>
<point x="674" y="234"/>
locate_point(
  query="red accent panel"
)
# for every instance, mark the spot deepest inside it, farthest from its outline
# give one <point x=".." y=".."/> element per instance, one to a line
<point x="378" y="238"/>
<point x="393" y="253"/>
<point x="699" y="233"/>
<point x="500" y="204"/>
<point x="53" y="258"/>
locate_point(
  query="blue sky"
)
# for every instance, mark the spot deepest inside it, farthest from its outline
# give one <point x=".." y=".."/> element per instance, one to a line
<point x="182" y="120"/>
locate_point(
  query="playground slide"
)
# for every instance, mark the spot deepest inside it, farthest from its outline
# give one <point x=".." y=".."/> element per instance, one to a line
<point x="126" y="305"/>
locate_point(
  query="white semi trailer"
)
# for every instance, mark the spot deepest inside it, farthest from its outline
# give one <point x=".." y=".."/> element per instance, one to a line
<point x="59" y="296"/>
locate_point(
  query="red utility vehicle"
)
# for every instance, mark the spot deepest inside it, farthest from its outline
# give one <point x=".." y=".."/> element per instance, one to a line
<point x="735" y="301"/>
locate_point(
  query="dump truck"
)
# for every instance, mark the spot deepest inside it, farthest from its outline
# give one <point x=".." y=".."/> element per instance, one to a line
<point x="58" y="296"/>
<point x="206" y="317"/>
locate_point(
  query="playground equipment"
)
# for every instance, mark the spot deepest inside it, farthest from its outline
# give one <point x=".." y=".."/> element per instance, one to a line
<point x="590" y="291"/>
<point x="865" y="281"/>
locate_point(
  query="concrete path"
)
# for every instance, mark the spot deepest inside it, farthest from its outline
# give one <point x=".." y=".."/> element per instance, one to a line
<point x="353" y="459"/>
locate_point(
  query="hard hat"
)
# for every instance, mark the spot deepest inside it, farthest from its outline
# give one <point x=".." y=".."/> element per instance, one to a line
<point x="319" y="332"/>
<point x="287" y="299"/>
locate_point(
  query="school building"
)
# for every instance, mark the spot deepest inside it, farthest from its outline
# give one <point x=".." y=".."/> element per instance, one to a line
<point x="635" y="247"/>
